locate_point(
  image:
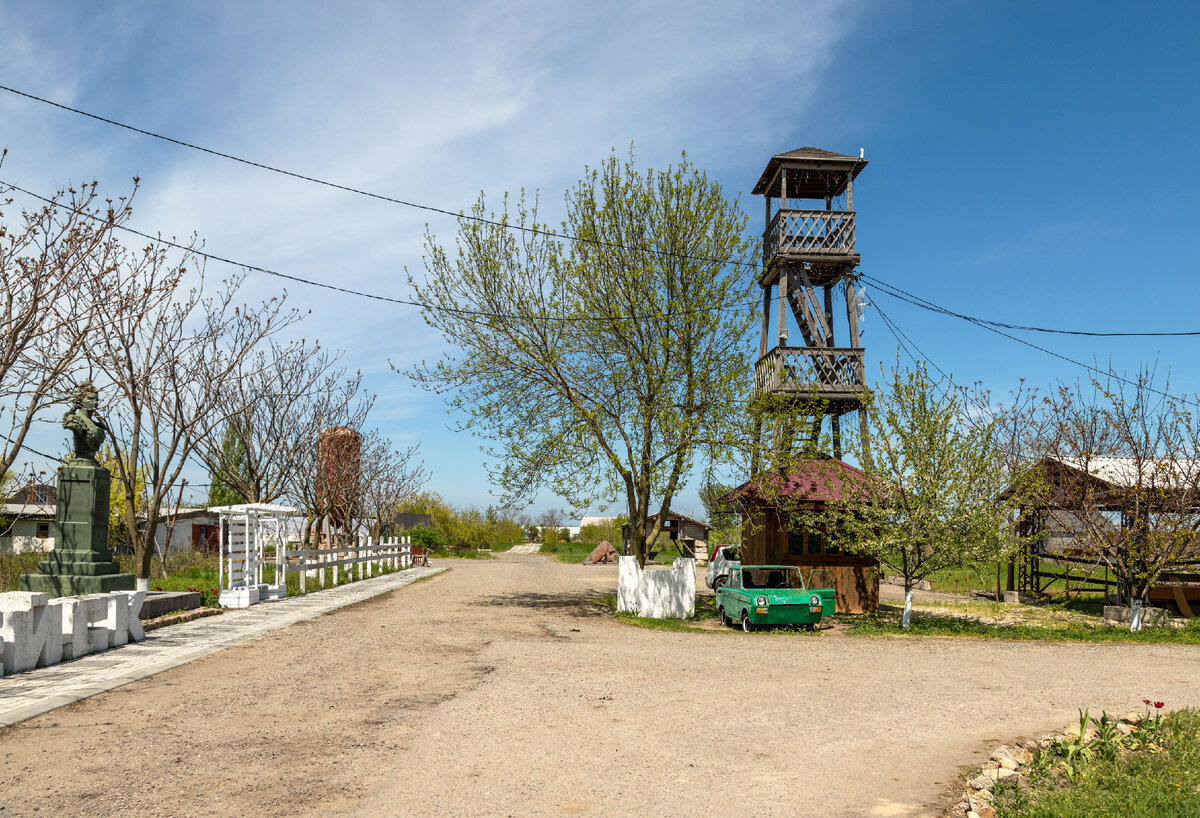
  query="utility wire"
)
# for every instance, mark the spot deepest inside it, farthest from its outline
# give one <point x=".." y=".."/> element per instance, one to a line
<point x="886" y="289"/>
<point x="534" y="230"/>
<point x="458" y="311"/>
<point x="918" y="301"/>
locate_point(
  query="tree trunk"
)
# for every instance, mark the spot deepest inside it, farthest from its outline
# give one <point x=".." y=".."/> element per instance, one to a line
<point x="908" y="596"/>
<point x="1135" y="614"/>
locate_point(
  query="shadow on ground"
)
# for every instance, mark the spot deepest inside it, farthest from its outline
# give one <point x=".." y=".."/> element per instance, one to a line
<point x="590" y="604"/>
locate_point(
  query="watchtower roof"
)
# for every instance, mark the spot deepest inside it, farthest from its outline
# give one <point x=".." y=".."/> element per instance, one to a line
<point x="812" y="173"/>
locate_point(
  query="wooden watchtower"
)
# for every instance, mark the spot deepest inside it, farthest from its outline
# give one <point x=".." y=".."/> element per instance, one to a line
<point x="808" y="252"/>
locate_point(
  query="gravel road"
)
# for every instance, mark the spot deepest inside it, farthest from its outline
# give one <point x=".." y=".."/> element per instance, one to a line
<point x="503" y="688"/>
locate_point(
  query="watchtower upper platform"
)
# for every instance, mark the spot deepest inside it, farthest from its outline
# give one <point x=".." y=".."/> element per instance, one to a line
<point x="822" y="238"/>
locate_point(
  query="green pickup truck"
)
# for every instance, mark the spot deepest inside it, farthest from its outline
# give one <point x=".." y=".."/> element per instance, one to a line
<point x="765" y="595"/>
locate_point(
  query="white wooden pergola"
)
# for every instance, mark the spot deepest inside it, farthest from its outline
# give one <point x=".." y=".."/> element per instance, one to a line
<point x="248" y="531"/>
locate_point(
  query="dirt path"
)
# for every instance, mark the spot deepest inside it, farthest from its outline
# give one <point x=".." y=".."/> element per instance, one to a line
<point x="501" y="688"/>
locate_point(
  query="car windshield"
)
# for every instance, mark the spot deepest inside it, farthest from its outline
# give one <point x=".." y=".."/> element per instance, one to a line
<point x="771" y="578"/>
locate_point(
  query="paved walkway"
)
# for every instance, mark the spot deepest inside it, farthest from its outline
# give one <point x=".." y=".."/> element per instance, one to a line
<point x="25" y="695"/>
<point x="528" y="548"/>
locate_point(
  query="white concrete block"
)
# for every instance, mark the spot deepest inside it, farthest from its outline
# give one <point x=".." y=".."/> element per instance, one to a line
<point x="32" y="635"/>
<point x="75" y="626"/>
<point x="629" y="575"/>
<point x="133" y="603"/>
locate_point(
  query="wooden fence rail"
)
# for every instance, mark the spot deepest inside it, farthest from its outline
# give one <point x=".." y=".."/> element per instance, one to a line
<point x="370" y="558"/>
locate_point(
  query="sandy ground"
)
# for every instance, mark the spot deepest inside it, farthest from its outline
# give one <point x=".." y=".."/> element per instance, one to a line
<point x="502" y="688"/>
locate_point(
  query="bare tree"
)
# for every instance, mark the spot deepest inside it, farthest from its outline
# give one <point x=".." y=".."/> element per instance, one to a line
<point x="164" y="367"/>
<point x="388" y="476"/>
<point x="1124" y="464"/>
<point x="268" y="403"/>
<point x="315" y="477"/>
<point x="54" y="264"/>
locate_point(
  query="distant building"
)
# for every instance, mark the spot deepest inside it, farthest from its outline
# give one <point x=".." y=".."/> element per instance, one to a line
<point x="404" y="521"/>
<point x="30" y="517"/>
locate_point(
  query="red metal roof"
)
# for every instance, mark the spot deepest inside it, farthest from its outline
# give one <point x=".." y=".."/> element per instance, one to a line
<point x="809" y="483"/>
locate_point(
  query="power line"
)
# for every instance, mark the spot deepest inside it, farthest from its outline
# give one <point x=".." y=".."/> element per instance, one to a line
<point x="918" y="301"/>
<point x="929" y="305"/>
<point x="458" y="311"/>
<point x="522" y="228"/>
<point x="535" y="230"/>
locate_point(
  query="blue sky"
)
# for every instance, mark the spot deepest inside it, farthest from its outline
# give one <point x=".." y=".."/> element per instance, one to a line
<point x="1033" y="163"/>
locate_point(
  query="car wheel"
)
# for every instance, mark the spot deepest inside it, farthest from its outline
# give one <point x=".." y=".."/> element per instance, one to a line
<point x="747" y="625"/>
<point x="725" y="620"/>
<point x="719" y="583"/>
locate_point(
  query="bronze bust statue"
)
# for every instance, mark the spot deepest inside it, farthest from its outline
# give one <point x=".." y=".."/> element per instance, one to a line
<point x="84" y="424"/>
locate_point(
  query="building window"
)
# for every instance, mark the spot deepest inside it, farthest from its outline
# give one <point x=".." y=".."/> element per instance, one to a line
<point x="816" y="542"/>
<point x="795" y="544"/>
<point x="43" y="530"/>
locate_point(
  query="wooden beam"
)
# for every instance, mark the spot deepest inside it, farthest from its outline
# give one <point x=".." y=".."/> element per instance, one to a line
<point x="852" y="311"/>
<point x="783" y="293"/>
<point x="812" y="310"/>
<point x="766" y="321"/>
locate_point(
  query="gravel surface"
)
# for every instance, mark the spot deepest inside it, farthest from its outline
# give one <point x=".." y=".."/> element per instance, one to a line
<point x="504" y="688"/>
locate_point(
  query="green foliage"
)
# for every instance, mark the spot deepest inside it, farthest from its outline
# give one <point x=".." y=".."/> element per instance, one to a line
<point x="598" y="533"/>
<point x="930" y="500"/>
<point x="118" y="514"/>
<point x="233" y="456"/>
<point x="601" y="368"/>
<point x="427" y="538"/>
<point x="1154" y="771"/>
<point x="572" y="552"/>
<point x="13" y="565"/>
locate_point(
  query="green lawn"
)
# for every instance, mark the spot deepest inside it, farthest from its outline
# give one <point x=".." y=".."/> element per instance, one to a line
<point x="1158" y="779"/>
<point x="574" y="552"/>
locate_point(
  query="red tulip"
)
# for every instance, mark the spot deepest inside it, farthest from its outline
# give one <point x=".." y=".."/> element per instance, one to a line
<point x="1145" y="701"/>
<point x="1159" y="705"/>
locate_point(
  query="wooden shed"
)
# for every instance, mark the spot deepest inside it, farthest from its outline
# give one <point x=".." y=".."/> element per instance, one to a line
<point x="690" y="534"/>
<point x="1062" y="553"/>
<point x="770" y="537"/>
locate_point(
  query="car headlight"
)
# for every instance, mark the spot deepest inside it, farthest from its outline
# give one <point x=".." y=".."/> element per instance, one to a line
<point x="761" y="601"/>
<point x="814" y="600"/>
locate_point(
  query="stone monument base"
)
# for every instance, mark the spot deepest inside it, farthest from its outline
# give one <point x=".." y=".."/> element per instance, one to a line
<point x="56" y="585"/>
<point x="80" y="562"/>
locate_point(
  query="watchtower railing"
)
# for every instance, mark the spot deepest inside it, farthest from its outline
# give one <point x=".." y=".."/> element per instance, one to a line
<point x="818" y="370"/>
<point x="825" y="232"/>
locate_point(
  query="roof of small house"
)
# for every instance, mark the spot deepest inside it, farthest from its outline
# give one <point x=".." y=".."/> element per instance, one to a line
<point x="817" y="482"/>
<point x="813" y="173"/>
<point x="1118" y="473"/>
<point x="672" y="515"/>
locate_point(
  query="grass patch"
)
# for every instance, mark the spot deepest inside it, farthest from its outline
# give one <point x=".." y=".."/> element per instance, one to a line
<point x="13" y="565"/>
<point x="925" y="624"/>
<point x="1158" y="778"/>
<point x="574" y="552"/>
<point x="461" y="554"/>
<point x="705" y="609"/>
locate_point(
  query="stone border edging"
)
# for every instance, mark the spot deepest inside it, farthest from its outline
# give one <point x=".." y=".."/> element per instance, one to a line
<point x="179" y="618"/>
<point x="1013" y="762"/>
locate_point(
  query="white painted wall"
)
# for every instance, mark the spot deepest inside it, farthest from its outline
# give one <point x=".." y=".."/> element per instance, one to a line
<point x="657" y="593"/>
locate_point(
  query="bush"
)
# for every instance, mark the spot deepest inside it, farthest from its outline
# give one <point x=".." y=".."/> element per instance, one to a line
<point x="427" y="538"/>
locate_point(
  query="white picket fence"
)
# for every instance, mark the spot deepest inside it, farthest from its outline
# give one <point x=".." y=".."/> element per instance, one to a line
<point x="364" y="557"/>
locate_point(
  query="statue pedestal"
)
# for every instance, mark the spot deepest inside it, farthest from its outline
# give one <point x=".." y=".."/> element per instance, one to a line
<point x="80" y="562"/>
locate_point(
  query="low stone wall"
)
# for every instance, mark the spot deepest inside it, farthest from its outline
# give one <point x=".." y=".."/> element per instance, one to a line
<point x="36" y="631"/>
<point x="657" y="593"/>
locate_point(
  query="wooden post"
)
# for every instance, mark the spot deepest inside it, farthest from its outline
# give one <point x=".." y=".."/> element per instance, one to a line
<point x="766" y="322"/>
<point x="783" y="289"/>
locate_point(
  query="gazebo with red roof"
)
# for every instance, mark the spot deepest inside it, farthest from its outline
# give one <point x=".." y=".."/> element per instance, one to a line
<point x="769" y="536"/>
